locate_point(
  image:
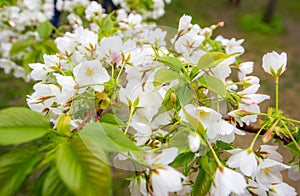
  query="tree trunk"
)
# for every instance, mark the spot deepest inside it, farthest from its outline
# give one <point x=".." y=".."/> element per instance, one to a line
<point x="269" y="12"/>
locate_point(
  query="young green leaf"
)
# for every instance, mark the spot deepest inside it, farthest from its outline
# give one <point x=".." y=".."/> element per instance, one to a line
<point x="112" y="119"/>
<point x="183" y="159"/>
<point x="107" y="137"/>
<point x="179" y="140"/>
<point x="44" y="29"/>
<point x="184" y="93"/>
<point x="15" y="167"/>
<point x="81" y="169"/>
<point x="202" y="183"/>
<point x="20" y="46"/>
<point x="212" y="59"/>
<point x="172" y="62"/>
<point x="19" y="125"/>
<point x="53" y="184"/>
<point x="164" y="75"/>
<point x="214" y="84"/>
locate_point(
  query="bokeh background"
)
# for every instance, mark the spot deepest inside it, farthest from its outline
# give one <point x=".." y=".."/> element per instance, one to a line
<point x="242" y="21"/>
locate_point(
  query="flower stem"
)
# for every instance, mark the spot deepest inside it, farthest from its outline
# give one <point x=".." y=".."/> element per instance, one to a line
<point x="291" y="136"/>
<point x="276" y="92"/>
<point x="257" y="134"/>
<point x="291" y="120"/>
<point x="132" y="110"/>
<point x="214" y="153"/>
<point x="120" y="72"/>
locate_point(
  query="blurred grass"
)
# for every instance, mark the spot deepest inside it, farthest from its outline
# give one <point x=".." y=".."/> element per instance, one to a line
<point x="13" y="90"/>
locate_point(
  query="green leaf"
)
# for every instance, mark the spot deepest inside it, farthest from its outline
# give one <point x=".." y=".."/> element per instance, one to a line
<point x="107" y="137"/>
<point x="183" y="93"/>
<point x="30" y="57"/>
<point x="53" y="184"/>
<point x="112" y="119"/>
<point x="224" y="145"/>
<point x="19" y="125"/>
<point x="48" y="47"/>
<point x="44" y="29"/>
<point x="164" y="75"/>
<point x="202" y="183"/>
<point x="214" y="84"/>
<point x="183" y="159"/>
<point x="15" y="167"/>
<point x="180" y="140"/>
<point x="208" y="165"/>
<point x="19" y="47"/>
<point x="81" y="169"/>
<point x="172" y="62"/>
<point x="106" y="25"/>
<point x="212" y="59"/>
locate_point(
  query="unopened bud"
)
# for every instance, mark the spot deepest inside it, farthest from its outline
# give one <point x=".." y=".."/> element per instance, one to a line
<point x="267" y="136"/>
<point x="64" y="125"/>
<point x="239" y="113"/>
<point x="173" y="98"/>
<point x="194" y="142"/>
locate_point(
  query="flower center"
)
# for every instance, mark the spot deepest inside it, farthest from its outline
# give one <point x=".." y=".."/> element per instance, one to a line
<point x="266" y="170"/>
<point x="89" y="71"/>
<point x="202" y="113"/>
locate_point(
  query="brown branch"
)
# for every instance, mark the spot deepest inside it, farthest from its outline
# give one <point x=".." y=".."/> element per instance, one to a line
<point x="255" y="129"/>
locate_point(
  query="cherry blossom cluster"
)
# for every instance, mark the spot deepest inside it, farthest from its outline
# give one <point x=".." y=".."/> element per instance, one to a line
<point x="148" y="9"/>
<point x="174" y="96"/>
<point x="18" y="23"/>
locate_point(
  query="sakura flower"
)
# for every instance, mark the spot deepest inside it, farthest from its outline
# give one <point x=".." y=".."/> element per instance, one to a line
<point x="66" y="44"/>
<point x="251" y="99"/>
<point x="244" y="160"/>
<point x="74" y="20"/>
<point x="274" y="64"/>
<point x="244" y="69"/>
<point x="67" y="84"/>
<point x="165" y="179"/>
<point x="282" y="189"/>
<point x="86" y="38"/>
<point x="112" y="47"/>
<point x="131" y="93"/>
<point x="222" y="70"/>
<point x="268" y="151"/>
<point x="216" y="127"/>
<point x="43" y="97"/>
<point x="253" y="187"/>
<point x="250" y="80"/>
<point x="40" y="71"/>
<point x="269" y="173"/>
<point x="93" y="10"/>
<point x="137" y="186"/>
<point x="184" y="23"/>
<point x="232" y="45"/>
<point x="143" y="132"/>
<point x="91" y="73"/>
<point x="227" y="181"/>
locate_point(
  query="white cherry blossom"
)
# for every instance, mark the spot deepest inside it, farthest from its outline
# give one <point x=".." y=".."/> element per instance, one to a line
<point x="91" y="73"/>
<point x="227" y="181"/>
<point x="274" y="63"/>
<point x="244" y="160"/>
